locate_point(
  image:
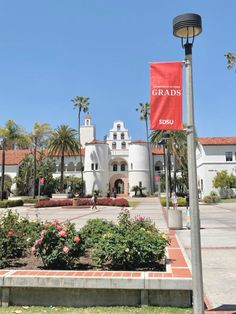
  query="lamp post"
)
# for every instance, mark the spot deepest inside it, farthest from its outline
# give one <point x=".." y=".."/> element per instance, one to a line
<point x="186" y="27"/>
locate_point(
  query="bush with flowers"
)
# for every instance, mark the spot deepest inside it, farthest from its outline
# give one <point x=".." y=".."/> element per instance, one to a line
<point x="94" y="230"/>
<point x="58" y="245"/>
<point x="16" y="235"/>
<point x="134" y="244"/>
<point x="83" y="202"/>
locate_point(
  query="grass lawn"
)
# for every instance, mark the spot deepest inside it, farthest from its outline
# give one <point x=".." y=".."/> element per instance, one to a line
<point x="133" y="203"/>
<point x="95" y="310"/>
<point x="228" y="200"/>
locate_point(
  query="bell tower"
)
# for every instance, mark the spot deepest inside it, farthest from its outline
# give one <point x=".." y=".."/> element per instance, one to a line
<point x="87" y="131"/>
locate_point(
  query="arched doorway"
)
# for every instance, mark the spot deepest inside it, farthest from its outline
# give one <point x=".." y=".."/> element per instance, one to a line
<point x="119" y="186"/>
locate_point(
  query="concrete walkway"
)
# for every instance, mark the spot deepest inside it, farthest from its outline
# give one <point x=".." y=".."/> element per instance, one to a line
<point x="218" y="236"/>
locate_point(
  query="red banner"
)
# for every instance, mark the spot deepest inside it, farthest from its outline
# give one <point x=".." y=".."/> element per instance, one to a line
<point x="166" y="96"/>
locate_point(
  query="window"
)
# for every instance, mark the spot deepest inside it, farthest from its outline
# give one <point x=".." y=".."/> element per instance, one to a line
<point x="79" y="166"/>
<point x="123" y="145"/>
<point x="201" y="184"/>
<point x="59" y="167"/>
<point x="70" y="166"/>
<point x="131" y="166"/>
<point x="114" y="136"/>
<point x="96" y="166"/>
<point x="113" y="145"/>
<point x="229" y="156"/>
<point x="158" y="166"/>
<point x="115" y="167"/>
<point x="118" y="127"/>
<point x="122" y="136"/>
<point x="92" y="166"/>
<point x="122" y="167"/>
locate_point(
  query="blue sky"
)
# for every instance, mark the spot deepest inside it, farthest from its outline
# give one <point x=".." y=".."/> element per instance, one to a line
<point x="53" y="50"/>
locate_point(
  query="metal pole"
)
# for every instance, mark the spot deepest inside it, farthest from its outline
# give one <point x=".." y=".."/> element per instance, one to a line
<point x="196" y="259"/>
<point x="166" y="176"/>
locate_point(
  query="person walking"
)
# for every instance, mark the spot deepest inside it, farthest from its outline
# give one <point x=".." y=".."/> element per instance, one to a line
<point x="174" y="200"/>
<point x="94" y="202"/>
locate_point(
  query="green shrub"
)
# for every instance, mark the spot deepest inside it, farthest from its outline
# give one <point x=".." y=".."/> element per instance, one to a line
<point x="94" y="230"/>
<point x="181" y="202"/>
<point x="207" y="199"/>
<point x="212" y="198"/>
<point x="33" y="200"/>
<point x="16" y="235"/>
<point x="58" y="245"/>
<point x="133" y="244"/>
<point x="11" y="203"/>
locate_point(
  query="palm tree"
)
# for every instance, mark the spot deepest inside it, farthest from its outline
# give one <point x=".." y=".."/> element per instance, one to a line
<point x="177" y="146"/>
<point x="40" y="131"/>
<point x="231" y="58"/>
<point x="82" y="103"/>
<point x="10" y="134"/>
<point x="144" y="110"/>
<point x="63" y="142"/>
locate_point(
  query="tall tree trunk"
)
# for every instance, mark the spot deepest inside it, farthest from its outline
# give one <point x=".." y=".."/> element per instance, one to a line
<point x="169" y="171"/>
<point x="149" y="157"/>
<point x="80" y="157"/>
<point x="3" y="172"/>
<point x="62" y="173"/>
<point x="175" y="170"/>
<point x="35" y="169"/>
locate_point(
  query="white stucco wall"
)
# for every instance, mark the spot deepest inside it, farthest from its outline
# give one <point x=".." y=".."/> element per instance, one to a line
<point x="139" y="166"/>
<point x="96" y="178"/>
<point x="210" y="160"/>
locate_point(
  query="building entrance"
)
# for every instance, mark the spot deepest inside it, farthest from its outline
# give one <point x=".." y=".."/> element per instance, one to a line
<point x="119" y="186"/>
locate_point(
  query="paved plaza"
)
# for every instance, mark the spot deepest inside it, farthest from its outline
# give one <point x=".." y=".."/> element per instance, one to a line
<point x="218" y="237"/>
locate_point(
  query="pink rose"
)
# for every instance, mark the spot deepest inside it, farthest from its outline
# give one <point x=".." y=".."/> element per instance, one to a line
<point x="10" y="233"/>
<point x="59" y="227"/>
<point x="66" y="249"/>
<point x="76" y="239"/>
<point x="38" y="242"/>
<point x="62" y="234"/>
<point x="33" y="249"/>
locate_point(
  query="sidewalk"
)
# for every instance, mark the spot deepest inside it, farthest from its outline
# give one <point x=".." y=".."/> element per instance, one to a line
<point x="218" y="237"/>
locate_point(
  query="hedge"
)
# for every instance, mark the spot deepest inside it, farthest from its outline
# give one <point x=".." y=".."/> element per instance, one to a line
<point x="11" y="203"/>
<point x="181" y="201"/>
<point x="83" y="202"/>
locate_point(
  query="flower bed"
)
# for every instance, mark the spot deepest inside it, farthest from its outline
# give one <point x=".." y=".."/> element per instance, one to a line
<point x="130" y="244"/>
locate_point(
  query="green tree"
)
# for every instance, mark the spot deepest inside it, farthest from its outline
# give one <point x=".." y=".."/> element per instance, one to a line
<point x="224" y="182"/>
<point x="82" y="104"/>
<point x="25" y="176"/>
<point x="231" y="58"/>
<point x="11" y="134"/>
<point x="177" y="146"/>
<point x="39" y="137"/>
<point x="45" y="168"/>
<point x="144" y="111"/>
<point x="63" y="142"/>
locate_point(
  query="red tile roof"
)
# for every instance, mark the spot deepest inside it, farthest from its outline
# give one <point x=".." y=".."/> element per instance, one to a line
<point x="217" y="140"/>
<point x="14" y="157"/>
<point x="157" y="150"/>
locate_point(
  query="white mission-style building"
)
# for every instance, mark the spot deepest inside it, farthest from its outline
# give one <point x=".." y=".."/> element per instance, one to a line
<point x="118" y="163"/>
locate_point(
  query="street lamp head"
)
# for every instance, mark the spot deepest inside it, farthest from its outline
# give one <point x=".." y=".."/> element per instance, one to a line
<point x="187" y="25"/>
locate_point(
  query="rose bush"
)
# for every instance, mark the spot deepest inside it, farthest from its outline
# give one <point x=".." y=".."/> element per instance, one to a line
<point x="133" y="244"/>
<point x="58" y="245"/>
<point x="16" y="235"/>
